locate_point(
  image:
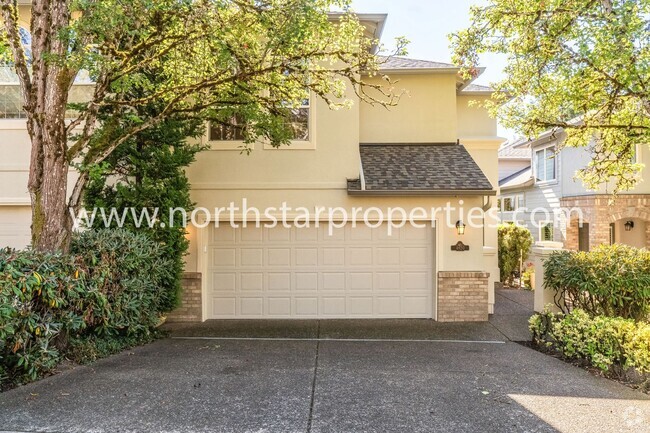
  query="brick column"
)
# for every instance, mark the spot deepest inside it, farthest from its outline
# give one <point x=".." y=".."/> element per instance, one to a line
<point x="191" y="308"/>
<point x="463" y="296"/>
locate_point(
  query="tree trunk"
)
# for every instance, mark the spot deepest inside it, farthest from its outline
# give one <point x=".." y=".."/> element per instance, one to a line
<point x="46" y="103"/>
<point x="51" y="221"/>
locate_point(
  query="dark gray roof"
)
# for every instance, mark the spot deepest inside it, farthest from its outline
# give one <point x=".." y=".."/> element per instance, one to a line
<point x="395" y="62"/>
<point x="428" y="169"/>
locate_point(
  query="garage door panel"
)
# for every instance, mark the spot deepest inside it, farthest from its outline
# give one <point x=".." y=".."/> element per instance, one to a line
<point x="253" y="281"/>
<point x="387" y="280"/>
<point x="251" y="306"/>
<point x="333" y="256"/>
<point x="279" y="281"/>
<point x="279" y="257"/>
<point x="251" y="257"/>
<point x="250" y="234"/>
<point x="360" y="281"/>
<point x="361" y="306"/>
<point x="279" y="306"/>
<point x="306" y="281"/>
<point x="306" y="306"/>
<point x="223" y="257"/>
<point x="387" y="256"/>
<point x="304" y="272"/>
<point x="333" y="306"/>
<point x="306" y="256"/>
<point x="224" y="307"/>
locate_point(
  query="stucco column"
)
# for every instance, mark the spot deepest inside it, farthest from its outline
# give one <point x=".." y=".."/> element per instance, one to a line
<point x="538" y="255"/>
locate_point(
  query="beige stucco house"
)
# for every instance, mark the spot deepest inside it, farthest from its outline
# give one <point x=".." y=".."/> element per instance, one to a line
<point x="430" y="151"/>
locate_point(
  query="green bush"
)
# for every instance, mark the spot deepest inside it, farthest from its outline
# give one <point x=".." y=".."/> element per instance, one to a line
<point x="41" y="299"/>
<point x="106" y="293"/>
<point x="127" y="268"/>
<point x="611" y="280"/>
<point x="514" y="244"/>
<point x="608" y="343"/>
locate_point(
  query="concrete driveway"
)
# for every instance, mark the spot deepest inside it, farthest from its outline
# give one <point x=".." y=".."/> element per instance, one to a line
<point x="327" y="376"/>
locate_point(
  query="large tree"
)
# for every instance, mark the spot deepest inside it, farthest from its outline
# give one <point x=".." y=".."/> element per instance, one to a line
<point x="582" y="66"/>
<point x="216" y="59"/>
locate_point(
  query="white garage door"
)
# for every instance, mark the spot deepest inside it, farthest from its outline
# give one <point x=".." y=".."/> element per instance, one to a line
<point x="306" y="273"/>
<point x="15" y="222"/>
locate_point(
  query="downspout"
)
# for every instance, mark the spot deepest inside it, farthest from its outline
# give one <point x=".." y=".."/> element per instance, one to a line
<point x="362" y="178"/>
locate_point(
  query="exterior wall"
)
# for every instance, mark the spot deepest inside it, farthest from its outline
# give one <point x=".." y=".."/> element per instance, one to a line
<point x="462" y="296"/>
<point x="426" y="112"/>
<point x="508" y="167"/>
<point x="473" y="120"/>
<point x="191" y="308"/>
<point x="599" y="211"/>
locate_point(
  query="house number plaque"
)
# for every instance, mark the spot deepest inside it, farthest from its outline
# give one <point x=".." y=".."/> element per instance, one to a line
<point x="460" y="247"/>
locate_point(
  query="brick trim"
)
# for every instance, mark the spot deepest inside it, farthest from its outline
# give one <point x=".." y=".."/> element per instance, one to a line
<point x="463" y="296"/>
<point x="191" y="306"/>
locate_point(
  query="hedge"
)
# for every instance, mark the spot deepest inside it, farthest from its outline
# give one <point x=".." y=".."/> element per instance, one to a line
<point x="610" y="280"/>
<point x="612" y="344"/>
<point x="106" y="289"/>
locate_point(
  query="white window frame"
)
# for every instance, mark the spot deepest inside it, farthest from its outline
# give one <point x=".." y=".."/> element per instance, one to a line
<point x="309" y="144"/>
<point x="541" y="231"/>
<point x="517" y="200"/>
<point x="221" y="144"/>
<point x="547" y="160"/>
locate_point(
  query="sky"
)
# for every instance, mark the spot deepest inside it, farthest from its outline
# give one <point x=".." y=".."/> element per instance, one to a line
<point x="426" y="24"/>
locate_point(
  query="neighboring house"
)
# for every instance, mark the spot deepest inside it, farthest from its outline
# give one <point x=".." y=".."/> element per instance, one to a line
<point x="432" y="149"/>
<point x="549" y="182"/>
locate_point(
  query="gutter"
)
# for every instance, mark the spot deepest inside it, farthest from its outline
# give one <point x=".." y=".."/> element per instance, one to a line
<point x="362" y="177"/>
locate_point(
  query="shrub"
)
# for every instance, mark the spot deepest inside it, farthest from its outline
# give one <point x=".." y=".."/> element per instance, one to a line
<point x="105" y="294"/>
<point x="128" y="269"/>
<point x="41" y="298"/>
<point x="514" y="244"/>
<point x="608" y="343"/>
<point x="611" y="280"/>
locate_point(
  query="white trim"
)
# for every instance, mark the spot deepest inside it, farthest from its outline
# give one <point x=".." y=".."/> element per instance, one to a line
<point x="15" y="201"/>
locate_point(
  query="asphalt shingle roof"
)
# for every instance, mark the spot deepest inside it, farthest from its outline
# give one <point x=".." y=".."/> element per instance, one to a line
<point x="478" y="88"/>
<point x="419" y="169"/>
<point x="397" y="62"/>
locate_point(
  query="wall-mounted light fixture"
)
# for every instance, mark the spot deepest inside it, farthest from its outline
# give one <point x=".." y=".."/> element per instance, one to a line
<point x="629" y="225"/>
<point x="460" y="227"/>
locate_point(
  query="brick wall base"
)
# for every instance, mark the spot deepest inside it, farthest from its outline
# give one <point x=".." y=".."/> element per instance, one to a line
<point x="463" y="296"/>
<point x="191" y="307"/>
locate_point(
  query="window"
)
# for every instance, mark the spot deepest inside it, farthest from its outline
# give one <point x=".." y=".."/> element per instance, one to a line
<point x="511" y="203"/>
<point x="612" y="233"/>
<point x="546" y="232"/>
<point x="234" y="131"/>
<point x="299" y="121"/>
<point x="508" y="204"/>
<point x="521" y="203"/>
<point x="545" y="164"/>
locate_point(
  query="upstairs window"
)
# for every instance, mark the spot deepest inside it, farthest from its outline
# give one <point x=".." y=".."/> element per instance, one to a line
<point x="233" y="131"/>
<point x="545" y="164"/>
<point x="300" y="120"/>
